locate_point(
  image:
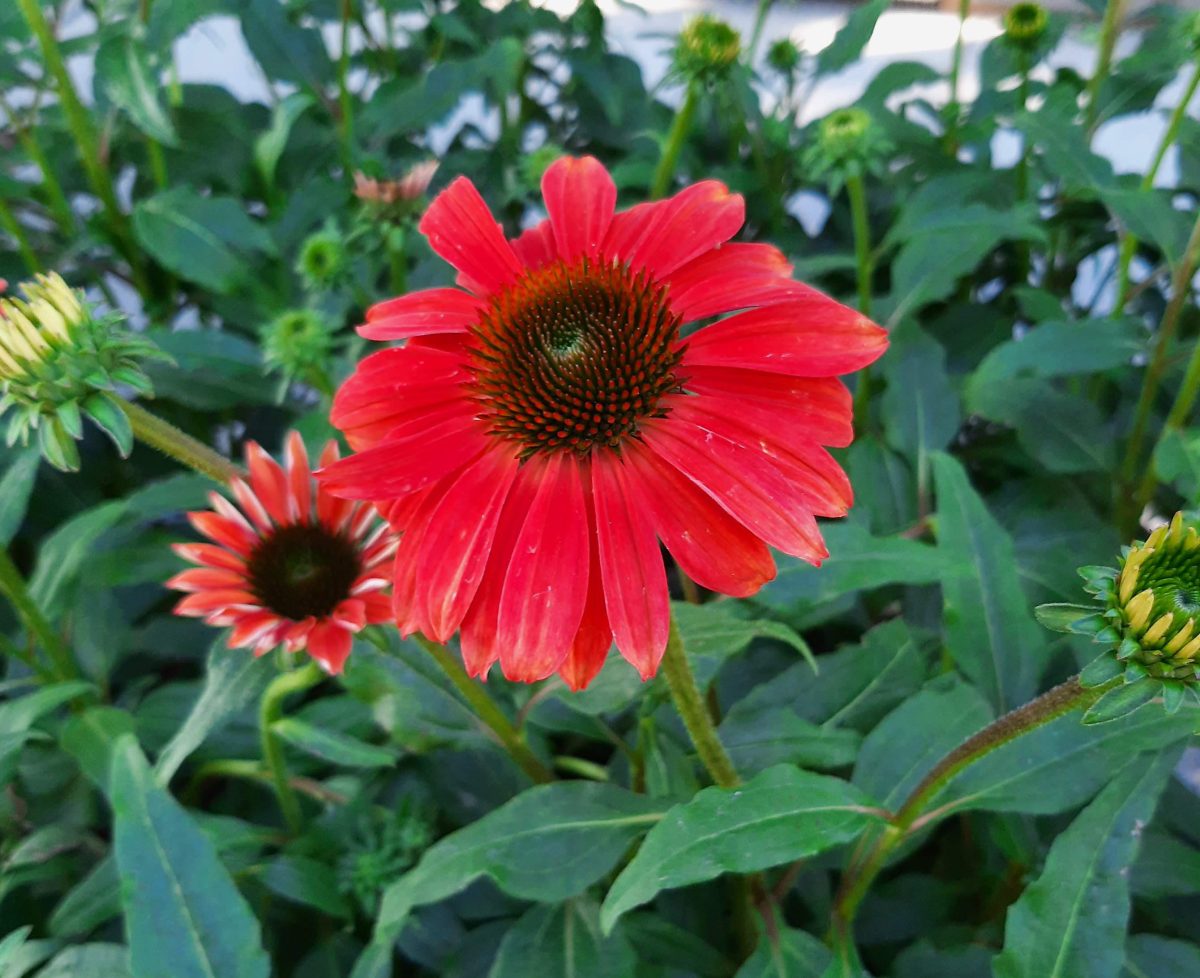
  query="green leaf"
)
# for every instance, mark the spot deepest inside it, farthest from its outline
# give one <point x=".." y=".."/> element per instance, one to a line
<point x="1070" y="922"/>
<point x="184" y="915"/>
<point x="1059" y="617"/>
<point x="1177" y="461"/>
<point x="305" y="881"/>
<point x="18" y="715"/>
<point x="285" y="51"/>
<point x="713" y="633"/>
<point x="578" y="830"/>
<point x="1152" y="216"/>
<point x="1101" y="669"/>
<point x="796" y="955"/>
<point x="233" y="679"/>
<point x="911" y="739"/>
<point x="563" y="940"/>
<point x="1061" y="349"/>
<point x="920" y="407"/>
<point x="1151" y="956"/>
<point x="782" y="815"/>
<point x="857" y="561"/>
<point x="90" y="737"/>
<point x="1122" y="701"/>
<point x="207" y="240"/>
<point x="269" y="147"/>
<point x="126" y="75"/>
<point x="990" y="632"/>
<point x="1063" y="147"/>
<point x="759" y="739"/>
<point x="89" y="961"/>
<point x="849" y="42"/>
<point x="9" y="947"/>
<point x="63" y="557"/>
<point x="16" y="486"/>
<point x="104" y="409"/>
<point x="91" y="902"/>
<point x="331" y="745"/>
<point x="213" y="369"/>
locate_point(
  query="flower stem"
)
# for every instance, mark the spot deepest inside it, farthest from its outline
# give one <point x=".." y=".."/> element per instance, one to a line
<point x="1129" y="242"/>
<point x="10" y="224"/>
<point x="169" y="440"/>
<point x="60" y="207"/>
<point x="760" y="21"/>
<point x="1181" y="284"/>
<point x="857" y="191"/>
<point x="694" y="712"/>
<point x="955" y="107"/>
<point x="486" y="710"/>
<point x="14" y="588"/>
<point x="79" y="121"/>
<point x="1064" y="698"/>
<point x="1109" y="31"/>
<point x="270" y="710"/>
<point x="397" y="260"/>
<point x="1022" y="174"/>
<point x="345" y="101"/>
<point x="665" y="170"/>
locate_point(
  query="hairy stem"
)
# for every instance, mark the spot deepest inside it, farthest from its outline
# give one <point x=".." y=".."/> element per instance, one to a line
<point x="15" y="589"/>
<point x="1062" y="699"/>
<point x="694" y="712"/>
<point x="487" y="711"/>
<point x="270" y="709"/>
<point x="665" y="170"/>
<point x="166" y="438"/>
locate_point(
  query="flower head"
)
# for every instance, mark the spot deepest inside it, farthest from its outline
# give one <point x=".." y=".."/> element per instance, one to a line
<point x="298" y="344"/>
<point x="707" y="49"/>
<point x="548" y="423"/>
<point x="848" y="143"/>
<point x="784" y="56"/>
<point x="1025" y="23"/>
<point x="323" y="260"/>
<point x="395" y="199"/>
<point x="59" y="362"/>
<point x="288" y="565"/>
<point x="1148" y="615"/>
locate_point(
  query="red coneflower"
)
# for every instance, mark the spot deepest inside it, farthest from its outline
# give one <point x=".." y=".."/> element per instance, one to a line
<point x="545" y="426"/>
<point x="294" y="566"/>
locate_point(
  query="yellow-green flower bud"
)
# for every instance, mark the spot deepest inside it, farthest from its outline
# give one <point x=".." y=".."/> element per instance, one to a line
<point x="60" y="363"/>
<point x="298" y="344"/>
<point x="707" y="49"/>
<point x="323" y="261"/>
<point x="848" y="143"/>
<point x="784" y="56"/>
<point x="1025" y="23"/>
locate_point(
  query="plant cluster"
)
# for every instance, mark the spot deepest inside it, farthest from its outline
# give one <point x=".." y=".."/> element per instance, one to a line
<point x="475" y="510"/>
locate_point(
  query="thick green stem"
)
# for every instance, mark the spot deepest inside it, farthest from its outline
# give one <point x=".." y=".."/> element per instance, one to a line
<point x="166" y="438"/>
<point x="14" y="588"/>
<point x="694" y="711"/>
<point x="1109" y="32"/>
<point x="10" y="224"/>
<point x="345" y="100"/>
<point x="79" y="121"/>
<point x="486" y="710"/>
<point x="857" y="191"/>
<point x="1129" y="242"/>
<point x="760" y="21"/>
<point x="665" y="171"/>
<point x="60" y="207"/>
<point x="1060" y="700"/>
<point x="1181" y="285"/>
<point x="270" y="710"/>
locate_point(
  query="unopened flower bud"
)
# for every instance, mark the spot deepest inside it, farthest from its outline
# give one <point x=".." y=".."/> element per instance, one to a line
<point x="1025" y="23"/>
<point x="298" y="344"/>
<point x="323" y="261"/>
<point x="707" y="49"/>
<point x="784" y="56"/>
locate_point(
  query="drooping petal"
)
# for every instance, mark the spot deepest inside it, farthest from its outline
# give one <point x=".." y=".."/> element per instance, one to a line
<point x="710" y="546"/>
<point x="207" y="578"/>
<point x="545" y="587"/>
<point x="594" y="638"/>
<point x="820" y="407"/>
<point x="635" y="581"/>
<point x="746" y="484"/>
<point x="225" y="532"/>
<point x="330" y="645"/>
<point x="812" y="337"/>
<point x="209" y="555"/>
<point x="461" y="229"/>
<point x="420" y="314"/>
<point x="396" y="468"/>
<point x="455" y="548"/>
<point x="666" y="234"/>
<point x="580" y="197"/>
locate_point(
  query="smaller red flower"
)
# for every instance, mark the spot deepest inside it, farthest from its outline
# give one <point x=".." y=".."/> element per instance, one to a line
<point x="293" y="566"/>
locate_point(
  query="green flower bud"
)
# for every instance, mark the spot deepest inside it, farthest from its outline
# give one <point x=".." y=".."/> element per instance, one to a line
<point x="298" y="344"/>
<point x="784" y="56"/>
<point x="386" y="845"/>
<point x="534" y="164"/>
<point x="60" y="363"/>
<point x="848" y="144"/>
<point x="707" y="49"/>
<point x="1024" y="24"/>
<point x="322" y="262"/>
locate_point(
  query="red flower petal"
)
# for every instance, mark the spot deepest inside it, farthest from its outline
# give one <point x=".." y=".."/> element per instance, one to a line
<point x="820" y="407"/>
<point x="733" y="276"/>
<point x="461" y="229"/>
<point x="536" y="246"/>
<point x="269" y="483"/>
<point x="420" y="314"/>
<point x="545" y="587"/>
<point x="209" y="555"/>
<point x="635" y="581"/>
<point x="746" y="484"/>
<point x="813" y="337"/>
<point x="710" y="546"/>
<point x="224" y="531"/>
<point x="594" y="638"/>
<point x="454" y="551"/>
<point x="207" y="578"/>
<point x="666" y="234"/>
<point x="580" y="197"/>
<point x="299" y="474"/>
<point x="330" y="645"/>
